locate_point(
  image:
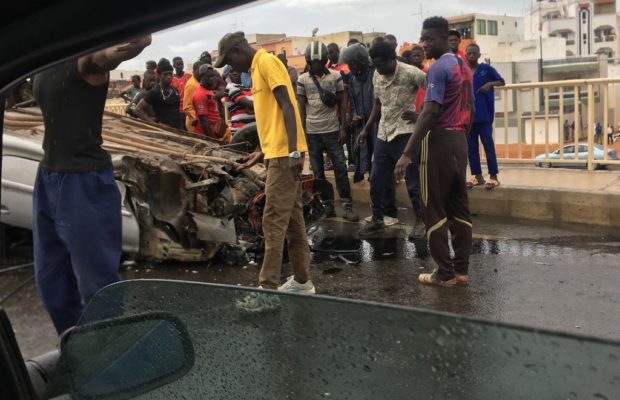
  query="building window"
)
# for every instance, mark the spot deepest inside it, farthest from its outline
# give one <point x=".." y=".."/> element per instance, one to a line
<point x="482" y="27"/>
<point x="492" y="28"/>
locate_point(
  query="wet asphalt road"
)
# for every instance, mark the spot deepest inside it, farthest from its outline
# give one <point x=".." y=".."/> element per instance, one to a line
<point x="559" y="277"/>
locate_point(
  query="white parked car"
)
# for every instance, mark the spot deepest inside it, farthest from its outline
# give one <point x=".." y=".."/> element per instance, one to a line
<point x="547" y="160"/>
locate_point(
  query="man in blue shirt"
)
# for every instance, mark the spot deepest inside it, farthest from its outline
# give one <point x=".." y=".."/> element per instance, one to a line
<point x="485" y="79"/>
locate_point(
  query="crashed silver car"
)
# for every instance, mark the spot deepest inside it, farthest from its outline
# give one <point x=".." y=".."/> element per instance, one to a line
<point x="183" y="197"/>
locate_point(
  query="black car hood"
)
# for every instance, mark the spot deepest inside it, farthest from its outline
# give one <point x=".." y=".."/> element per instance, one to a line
<point x="37" y="33"/>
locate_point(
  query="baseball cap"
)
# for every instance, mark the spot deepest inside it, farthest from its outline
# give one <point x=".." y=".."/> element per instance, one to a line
<point x="227" y="42"/>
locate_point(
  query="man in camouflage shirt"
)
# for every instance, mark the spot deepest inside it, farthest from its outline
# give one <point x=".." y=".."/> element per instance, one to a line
<point x="396" y="85"/>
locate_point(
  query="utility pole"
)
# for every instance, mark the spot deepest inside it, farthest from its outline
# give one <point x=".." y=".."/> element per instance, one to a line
<point x="421" y="14"/>
<point x="541" y="95"/>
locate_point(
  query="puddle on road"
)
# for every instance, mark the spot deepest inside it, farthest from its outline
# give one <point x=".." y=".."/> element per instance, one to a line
<point x="353" y="250"/>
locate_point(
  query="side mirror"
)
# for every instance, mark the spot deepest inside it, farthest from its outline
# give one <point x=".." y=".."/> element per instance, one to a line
<point x="122" y="358"/>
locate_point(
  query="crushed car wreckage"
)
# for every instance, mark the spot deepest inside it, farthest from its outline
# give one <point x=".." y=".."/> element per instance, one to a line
<point x="190" y="200"/>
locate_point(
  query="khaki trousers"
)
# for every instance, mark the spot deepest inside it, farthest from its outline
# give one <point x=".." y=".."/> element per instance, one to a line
<point x="283" y="218"/>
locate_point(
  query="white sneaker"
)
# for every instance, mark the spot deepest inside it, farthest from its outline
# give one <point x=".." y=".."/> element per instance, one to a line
<point x="292" y="286"/>
<point x="389" y="221"/>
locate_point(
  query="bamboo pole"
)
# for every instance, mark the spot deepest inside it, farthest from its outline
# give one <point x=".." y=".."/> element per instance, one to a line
<point x="159" y="150"/>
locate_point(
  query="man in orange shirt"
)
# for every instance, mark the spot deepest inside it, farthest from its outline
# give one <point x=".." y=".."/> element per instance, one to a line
<point x="283" y="144"/>
<point x="188" y="96"/>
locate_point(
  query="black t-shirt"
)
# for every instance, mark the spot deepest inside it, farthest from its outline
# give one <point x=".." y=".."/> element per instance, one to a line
<point x="165" y="105"/>
<point x="72" y="113"/>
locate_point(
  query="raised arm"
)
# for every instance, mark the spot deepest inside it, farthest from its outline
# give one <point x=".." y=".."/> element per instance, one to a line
<point x="94" y="67"/>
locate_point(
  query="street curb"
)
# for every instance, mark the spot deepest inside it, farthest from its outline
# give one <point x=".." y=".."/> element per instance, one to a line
<point x="550" y="205"/>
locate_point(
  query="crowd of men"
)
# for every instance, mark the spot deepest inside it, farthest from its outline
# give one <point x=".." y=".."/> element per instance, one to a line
<point x="416" y="117"/>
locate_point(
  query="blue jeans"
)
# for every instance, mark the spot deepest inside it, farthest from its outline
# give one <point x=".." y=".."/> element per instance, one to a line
<point x="77" y="240"/>
<point x="484" y="131"/>
<point x="182" y="116"/>
<point x="385" y="157"/>
<point x="328" y="142"/>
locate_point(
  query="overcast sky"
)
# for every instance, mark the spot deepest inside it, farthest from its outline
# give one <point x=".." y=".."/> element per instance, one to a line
<point x="298" y="17"/>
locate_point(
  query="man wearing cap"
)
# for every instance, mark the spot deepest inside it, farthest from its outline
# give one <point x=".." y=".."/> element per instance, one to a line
<point x="283" y="145"/>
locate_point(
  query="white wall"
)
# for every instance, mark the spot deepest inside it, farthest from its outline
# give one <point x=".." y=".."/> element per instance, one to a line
<point x="553" y="48"/>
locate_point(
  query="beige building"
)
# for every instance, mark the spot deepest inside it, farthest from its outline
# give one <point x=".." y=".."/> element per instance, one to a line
<point x="489" y="32"/>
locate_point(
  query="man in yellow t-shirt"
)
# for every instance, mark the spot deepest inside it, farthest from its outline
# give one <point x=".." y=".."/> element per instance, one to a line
<point x="283" y="144"/>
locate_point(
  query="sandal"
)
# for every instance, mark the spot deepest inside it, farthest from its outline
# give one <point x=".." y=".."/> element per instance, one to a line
<point x="474" y="182"/>
<point x="429" y="279"/>
<point x="462" y="280"/>
<point x="491" y="184"/>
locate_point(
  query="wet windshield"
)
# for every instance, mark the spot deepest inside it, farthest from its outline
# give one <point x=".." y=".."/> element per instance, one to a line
<point x="314" y="347"/>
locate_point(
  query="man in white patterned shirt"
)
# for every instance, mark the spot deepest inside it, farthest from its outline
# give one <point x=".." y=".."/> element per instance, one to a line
<point x="396" y="85"/>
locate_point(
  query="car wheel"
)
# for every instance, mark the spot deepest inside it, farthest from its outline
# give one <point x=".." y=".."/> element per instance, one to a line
<point x="546" y="165"/>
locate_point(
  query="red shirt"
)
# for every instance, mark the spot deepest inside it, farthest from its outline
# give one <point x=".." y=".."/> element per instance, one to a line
<point x="205" y="105"/>
<point x="179" y="85"/>
<point x="344" y="68"/>
<point x="419" y="98"/>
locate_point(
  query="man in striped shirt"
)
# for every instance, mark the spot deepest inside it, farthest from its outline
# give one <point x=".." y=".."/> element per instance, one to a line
<point x="239" y="101"/>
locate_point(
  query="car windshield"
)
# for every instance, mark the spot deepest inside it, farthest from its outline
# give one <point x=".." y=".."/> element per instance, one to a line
<point x="316" y="347"/>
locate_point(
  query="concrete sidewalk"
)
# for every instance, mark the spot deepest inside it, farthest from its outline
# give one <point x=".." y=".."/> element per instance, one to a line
<point x="555" y="195"/>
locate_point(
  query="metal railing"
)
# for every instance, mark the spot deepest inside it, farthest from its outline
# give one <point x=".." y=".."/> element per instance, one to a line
<point x="530" y="122"/>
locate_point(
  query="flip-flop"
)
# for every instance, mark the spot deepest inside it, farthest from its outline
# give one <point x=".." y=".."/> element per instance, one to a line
<point x="429" y="279"/>
<point x="474" y="182"/>
<point x="491" y="184"/>
<point x="462" y="280"/>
